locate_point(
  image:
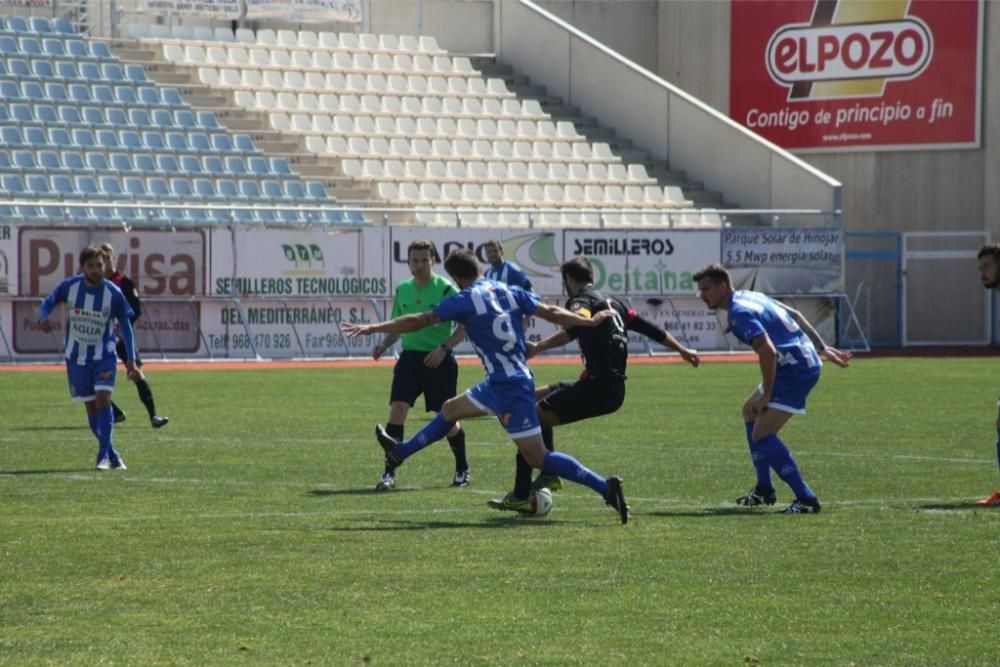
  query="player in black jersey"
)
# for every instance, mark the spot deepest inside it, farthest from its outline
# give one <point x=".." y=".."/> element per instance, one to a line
<point x="600" y="390"/>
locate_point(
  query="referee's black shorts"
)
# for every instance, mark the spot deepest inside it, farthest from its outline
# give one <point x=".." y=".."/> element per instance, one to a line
<point x="583" y="399"/>
<point x="410" y="378"/>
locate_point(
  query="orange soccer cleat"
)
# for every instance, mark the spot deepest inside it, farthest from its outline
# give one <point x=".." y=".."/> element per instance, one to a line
<point x="990" y="500"/>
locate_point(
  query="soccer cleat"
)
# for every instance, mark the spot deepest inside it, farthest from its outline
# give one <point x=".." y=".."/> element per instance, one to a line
<point x="462" y="478"/>
<point x="616" y="498"/>
<point x="159" y="422"/>
<point x="754" y="498"/>
<point x="992" y="500"/>
<point x="386" y="483"/>
<point x="550" y="482"/>
<point x="511" y="503"/>
<point x="119" y="417"/>
<point x="118" y="464"/>
<point x="104" y="464"/>
<point x="388" y="444"/>
<point x="803" y="506"/>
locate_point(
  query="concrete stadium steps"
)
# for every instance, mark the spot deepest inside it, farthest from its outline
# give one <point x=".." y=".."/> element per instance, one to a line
<point x="255" y="123"/>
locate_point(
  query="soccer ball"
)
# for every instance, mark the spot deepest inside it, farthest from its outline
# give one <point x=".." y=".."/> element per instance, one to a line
<point x="541" y="502"/>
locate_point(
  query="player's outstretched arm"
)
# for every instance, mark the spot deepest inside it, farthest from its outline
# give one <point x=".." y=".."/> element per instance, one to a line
<point x="564" y="318"/>
<point x="399" y="325"/>
<point x="557" y="339"/>
<point x="641" y="325"/>
<point x="838" y="357"/>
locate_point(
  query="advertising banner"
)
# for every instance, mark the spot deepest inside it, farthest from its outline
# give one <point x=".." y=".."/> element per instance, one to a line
<point x="163" y="264"/>
<point x="785" y="261"/>
<point x="841" y="74"/>
<point x="210" y="9"/>
<point x="306" y="11"/>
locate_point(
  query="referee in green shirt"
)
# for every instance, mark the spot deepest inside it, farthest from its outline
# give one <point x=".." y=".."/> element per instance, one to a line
<point x="427" y="364"/>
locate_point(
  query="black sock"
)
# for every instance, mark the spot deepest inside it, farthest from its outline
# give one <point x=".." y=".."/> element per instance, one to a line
<point x="117" y="411"/>
<point x="522" y="477"/>
<point x="548" y="439"/>
<point x="395" y="432"/>
<point x="146" y="396"/>
<point x="457" y="444"/>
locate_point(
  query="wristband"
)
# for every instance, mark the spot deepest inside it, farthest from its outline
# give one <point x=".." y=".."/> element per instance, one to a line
<point x="445" y="347"/>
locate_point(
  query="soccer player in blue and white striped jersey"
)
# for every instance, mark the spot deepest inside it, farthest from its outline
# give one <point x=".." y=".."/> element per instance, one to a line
<point x="93" y="304"/>
<point x="788" y="350"/>
<point x="501" y="270"/>
<point x="493" y="314"/>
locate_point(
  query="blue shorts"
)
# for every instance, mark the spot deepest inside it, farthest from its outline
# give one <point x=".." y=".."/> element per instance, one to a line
<point x="513" y="403"/>
<point x="791" y="390"/>
<point x="85" y="381"/>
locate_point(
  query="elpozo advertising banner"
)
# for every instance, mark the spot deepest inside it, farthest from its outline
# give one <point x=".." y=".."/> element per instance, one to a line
<point x="827" y="75"/>
<point x="306" y="11"/>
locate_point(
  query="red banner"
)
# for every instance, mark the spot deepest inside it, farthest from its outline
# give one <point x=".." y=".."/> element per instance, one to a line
<point x="838" y="74"/>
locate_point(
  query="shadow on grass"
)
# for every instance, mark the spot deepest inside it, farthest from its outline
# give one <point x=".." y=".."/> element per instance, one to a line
<point x="15" y="473"/>
<point x="968" y="505"/>
<point x="395" y="525"/>
<point x="26" y="429"/>
<point x="712" y="512"/>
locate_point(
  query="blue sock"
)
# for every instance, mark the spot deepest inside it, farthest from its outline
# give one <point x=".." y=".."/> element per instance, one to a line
<point x="105" y="421"/>
<point x="435" y="429"/>
<point x="764" y="482"/>
<point x="92" y="420"/>
<point x="565" y="466"/>
<point x="779" y="458"/>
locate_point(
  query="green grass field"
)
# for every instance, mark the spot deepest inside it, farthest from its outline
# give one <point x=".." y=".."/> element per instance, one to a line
<point x="247" y="531"/>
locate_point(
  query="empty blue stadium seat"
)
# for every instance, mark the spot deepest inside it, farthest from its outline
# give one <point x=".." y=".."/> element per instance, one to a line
<point x="73" y="162"/>
<point x="235" y="166"/>
<point x="185" y="118"/>
<point x="9" y="90"/>
<point x="112" y="72"/>
<point x="136" y="73"/>
<point x="32" y="90"/>
<point x="190" y="164"/>
<point x="111" y="186"/>
<point x="139" y="118"/>
<point x="148" y="95"/>
<point x="144" y="163"/>
<point x="12" y="184"/>
<point x="280" y="167"/>
<point x="158" y="188"/>
<point x="19" y="67"/>
<point x="125" y="95"/>
<point x="204" y="188"/>
<point x="181" y="187"/>
<point x="294" y="190"/>
<point x="43" y="69"/>
<point x="46" y="114"/>
<point x="86" y="185"/>
<point x="134" y="186"/>
<point x="272" y="190"/>
<point x="250" y="189"/>
<point x="102" y="93"/>
<point x="100" y="50"/>
<point x="62" y="186"/>
<point x="16" y="24"/>
<point x="213" y="165"/>
<point x="4" y="160"/>
<point x="36" y="136"/>
<point x="93" y="116"/>
<point x="316" y="191"/>
<point x="70" y="115"/>
<point x="167" y="164"/>
<point x="66" y="69"/>
<point x="30" y="46"/>
<point x="162" y="118"/>
<point x="24" y="160"/>
<point x="84" y="138"/>
<point x="90" y="71"/>
<point x="8" y="45"/>
<point x="227" y="190"/>
<point x="38" y="185"/>
<point x="115" y="117"/>
<point x="199" y="142"/>
<point x="207" y="120"/>
<point x="131" y="140"/>
<point x="259" y="166"/>
<point x="153" y="141"/>
<point x="10" y="136"/>
<point x="244" y="143"/>
<point x="80" y="92"/>
<point x="121" y="162"/>
<point x="39" y="24"/>
<point x="98" y="161"/>
<point x="107" y="139"/>
<point x="222" y="143"/>
<point x="78" y="49"/>
<point x="171" y="97"/>
<point x="176" y="141"/>
<point x="56" y="91"/>
<point x="63" y="26"/>
<point x="53" y="47"/>
<point x="22" y="114"/>
<point x="49" y="161"/>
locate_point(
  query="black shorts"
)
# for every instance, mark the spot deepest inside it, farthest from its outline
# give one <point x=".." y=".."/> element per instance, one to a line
<point x="120" y="347"/>
<point x="410" y="378"/>
<point x="583" y="399"/>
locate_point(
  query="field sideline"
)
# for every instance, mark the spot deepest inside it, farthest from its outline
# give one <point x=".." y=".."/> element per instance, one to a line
<point x="247" y="531"/>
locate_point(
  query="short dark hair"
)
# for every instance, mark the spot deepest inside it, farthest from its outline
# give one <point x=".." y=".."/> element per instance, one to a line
<point x="578" y="268"/>
<point x="715" y="272"/>
<point x="89" y="252"/>
<point x="419" y="245"/>
<point x="494" y="243"/>
<point x="462" y="263"/>
<point x="990" y="250"/>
